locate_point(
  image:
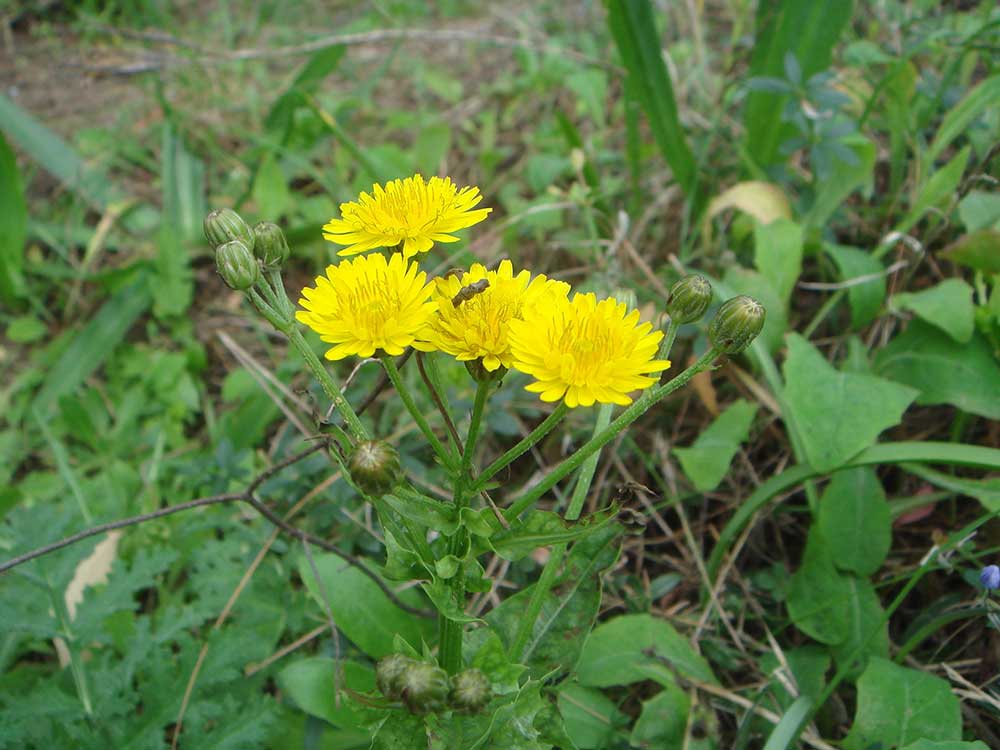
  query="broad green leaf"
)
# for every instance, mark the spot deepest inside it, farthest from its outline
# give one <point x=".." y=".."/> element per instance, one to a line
<point x="270" y="189"/>
<point x="361" y="610"/>
<point x="946" y="745"/>
<point x="817" y="593"/>
<point x="592" y="720"/>
<point x="942" y="370"/>
<point x="14" y="220"/>
<point x="939" y="186"/>
<point x="898" y="706"/>
<point x="94" y="343"/>
<point x="839" y="414"/>
<point x="310" y="683"/>
<point x="979" y="251"/>
<point x="764" y="201"/>
<point x="568" y="610"/>
<point x="633" y="27"/>
<point x="867" y="634"/>
<point x="632" y="648"/>
<point x="855" y="520"/>
<point x="806" y="31"/>
<point x="778" y="254"/>
<point x="745" y="281"/>
<point x="707" y="460"/>
<point x="663" y="721"/>
<point x="846" y="178"/>
<point x="865" y="297"/>
<point x="980" y="210"/>
<point x="958" y="118"/>
<point x="947" y="305"/>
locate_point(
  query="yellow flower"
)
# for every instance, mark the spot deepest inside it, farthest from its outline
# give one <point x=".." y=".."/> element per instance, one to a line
<point x="585" y="351"/>
<point x="411" y="211"/>
<point x="472" y="323"/>
<point x="367" y="304"/>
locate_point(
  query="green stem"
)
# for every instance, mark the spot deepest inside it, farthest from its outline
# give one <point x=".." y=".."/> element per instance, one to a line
<point x="521" y="448"/>
<point x="271" y="315"/>
<point x="329" y="387"/>
<point x="451" y="632"/>
<point x="552" y="565"/>
<point x="404" y="393"/>
<point x="627" y="417"/>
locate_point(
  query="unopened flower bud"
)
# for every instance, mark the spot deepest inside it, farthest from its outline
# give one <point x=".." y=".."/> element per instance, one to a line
<point x="225" y="225"/>
<point x="470" y="691"/>
<point x="270" y="244"/>
<point x="737" y="324"/>
<point x="688" y="299"/>
<point x="236" y="265"/>
<point x="424" y="687"/>
<point x="990" y="577"/>
<point x="374" y="467"/>
<point x="628" y="296"/>
<point x="389" y="675"/>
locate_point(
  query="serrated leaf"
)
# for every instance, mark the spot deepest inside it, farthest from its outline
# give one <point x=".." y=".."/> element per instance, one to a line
<point x="707" y="460"/>
<point x="942" y="370"/>
<point x="838" y="414"/>
<point x="866" y="297"/>
<point x="898" y="706"/>
<point x="947" y="305"/>
<point x="632" y="648"/>
<point x="854" y="519"/>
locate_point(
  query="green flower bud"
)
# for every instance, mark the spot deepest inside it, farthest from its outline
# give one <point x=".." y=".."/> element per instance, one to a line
<point x="389" y="675"/>
<point x="225" y="225"/>
<point x="270" y="244"/>
<point x="688" y="299"/>
<point x="374" y="467"/>
<point x="737" y="323"/>
<point x="424" y="688"/>
<point x="470" y="691"/>
<point x="628" y="296"/>
<point x="236" y="265"/>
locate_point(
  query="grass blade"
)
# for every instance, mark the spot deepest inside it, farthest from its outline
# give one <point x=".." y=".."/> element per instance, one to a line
<point x="14" y="220"/>
<point x="634" y="29"/>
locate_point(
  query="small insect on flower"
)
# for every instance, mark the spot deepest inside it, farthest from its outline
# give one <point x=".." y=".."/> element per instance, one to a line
<point x="990" y="577"/>
<point x="414" y="213"/>
<point x="368" y="304"/>
<point x="475" y="310"/>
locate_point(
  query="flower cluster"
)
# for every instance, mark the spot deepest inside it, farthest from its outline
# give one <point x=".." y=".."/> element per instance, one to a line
<point x="577" y="348"/>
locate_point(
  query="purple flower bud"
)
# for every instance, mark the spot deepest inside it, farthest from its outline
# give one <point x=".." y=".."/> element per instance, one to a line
<point x="990" y="577"/>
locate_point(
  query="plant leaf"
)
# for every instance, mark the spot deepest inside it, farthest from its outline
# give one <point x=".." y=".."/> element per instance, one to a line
<point x="707" y="460"/>
<point x="764" y="201"/>
<point x="847" y="176"/>
<point x="942" y="370"/>
<point x="817" y="593"/>
<point x="778" y="255"/>
<point x="866" y="297"/>
<point x="310" y="683"/>
<point x="947" y="305"/>
<point x="855" y="520"/>
<point x="592" y="720"/>
<point x="897" y="706"/>
<point x="14" y="220"/>
<point x="979" y="251"/>
<point x="844" y="412"/>
<point x="958" y="118"/>
<point x="663" y="721"/>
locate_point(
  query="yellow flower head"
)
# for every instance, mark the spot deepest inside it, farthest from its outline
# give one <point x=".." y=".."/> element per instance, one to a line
<point x="583" y="351"/>
<point x="367" y="304"/>
<point x="411" y="211"/>
<point x="473" y="318"/>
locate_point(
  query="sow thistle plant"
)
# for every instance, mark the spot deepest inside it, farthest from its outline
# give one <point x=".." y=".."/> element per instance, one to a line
<point x="577" y="350"/>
